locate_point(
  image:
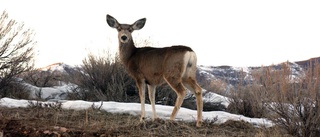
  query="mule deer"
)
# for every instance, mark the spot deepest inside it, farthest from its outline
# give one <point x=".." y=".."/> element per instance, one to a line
<point x="150" y="66"/>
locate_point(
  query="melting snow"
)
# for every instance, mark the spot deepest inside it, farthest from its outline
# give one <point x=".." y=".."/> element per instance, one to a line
<point x="134" y="109"/>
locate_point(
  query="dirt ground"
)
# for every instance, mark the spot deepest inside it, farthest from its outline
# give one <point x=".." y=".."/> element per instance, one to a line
<point x="56" y="122"/>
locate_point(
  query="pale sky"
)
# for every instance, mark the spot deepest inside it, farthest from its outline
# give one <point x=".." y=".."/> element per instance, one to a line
<point x="226" y="32"/>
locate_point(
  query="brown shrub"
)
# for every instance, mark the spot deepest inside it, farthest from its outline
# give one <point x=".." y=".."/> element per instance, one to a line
<point x="296" y="106"/>
<point x="103" y="78"/>
<point x="15" y="89"/>
<point x="247" y="99"/>
<point x="44" y="78"/>
<point x="292" y="103"/>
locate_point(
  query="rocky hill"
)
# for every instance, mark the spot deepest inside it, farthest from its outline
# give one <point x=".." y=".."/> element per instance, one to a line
<point x="228" y="74"/>
<point x="225" y="75"/>
<point x="231" y="74"/>
<point x="307" y="63"/>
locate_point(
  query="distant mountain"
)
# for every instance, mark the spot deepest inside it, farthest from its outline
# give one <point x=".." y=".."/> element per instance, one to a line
<point x="53" y="66"/>
<point x="307" y="63"/>
<point x="225" y="73"/>
<point x="61" y="67"/>
<point x="231" y="74"/>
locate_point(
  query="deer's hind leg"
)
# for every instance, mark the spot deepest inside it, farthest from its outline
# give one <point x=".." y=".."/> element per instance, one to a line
<point x="176" y="84"/>
<point x="193" y="86"/>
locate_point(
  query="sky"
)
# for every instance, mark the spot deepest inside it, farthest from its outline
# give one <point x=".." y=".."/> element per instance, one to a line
<point x="234" y="32"/>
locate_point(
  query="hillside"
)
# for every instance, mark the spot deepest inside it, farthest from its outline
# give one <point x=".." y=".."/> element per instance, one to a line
<point x="64" y="117"/>
<point x="226" y="77"/>
<point x="229" y="74"/>
<point x="213" y="80"/>
<point x="307" y="63"/>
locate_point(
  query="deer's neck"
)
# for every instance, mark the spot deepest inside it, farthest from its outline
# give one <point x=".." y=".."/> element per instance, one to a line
<point x="126" y="50"/>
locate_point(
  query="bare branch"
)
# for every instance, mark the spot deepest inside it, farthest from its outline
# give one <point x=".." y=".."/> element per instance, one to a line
<point x="16" y="50"/>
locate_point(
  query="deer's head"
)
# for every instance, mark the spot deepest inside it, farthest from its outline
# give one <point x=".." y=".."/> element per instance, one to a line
<point x="125" y="30"/>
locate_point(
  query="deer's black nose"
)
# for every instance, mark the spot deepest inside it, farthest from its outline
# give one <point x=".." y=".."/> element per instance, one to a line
<point x="123" y="38"/>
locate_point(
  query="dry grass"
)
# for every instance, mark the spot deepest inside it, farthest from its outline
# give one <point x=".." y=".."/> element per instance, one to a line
<point x="292" y="103"/>
<point x="42" y="121"/>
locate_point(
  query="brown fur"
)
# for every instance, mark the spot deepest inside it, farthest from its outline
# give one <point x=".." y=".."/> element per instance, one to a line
<point x="151" y="66"/>
<point x="141" y="66"/>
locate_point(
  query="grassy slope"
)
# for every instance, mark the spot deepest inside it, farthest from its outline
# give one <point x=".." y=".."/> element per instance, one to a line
<point x="36" y="121"/>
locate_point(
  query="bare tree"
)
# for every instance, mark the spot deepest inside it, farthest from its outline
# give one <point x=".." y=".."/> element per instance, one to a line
<point x="43" y="78"/>
<point x="16" y="51"/>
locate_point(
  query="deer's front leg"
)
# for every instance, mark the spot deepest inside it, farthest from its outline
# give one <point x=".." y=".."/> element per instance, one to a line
<point x="152" y="93"/>
<point x="142" y="90"/>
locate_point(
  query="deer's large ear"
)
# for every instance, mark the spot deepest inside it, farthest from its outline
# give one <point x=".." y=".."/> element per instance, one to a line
<point x="112" y="22"/>
<point x="139" y="24"/>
